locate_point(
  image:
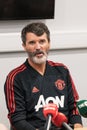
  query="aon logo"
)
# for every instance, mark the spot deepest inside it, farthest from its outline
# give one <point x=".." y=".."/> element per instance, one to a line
<point x="41" y="102"/>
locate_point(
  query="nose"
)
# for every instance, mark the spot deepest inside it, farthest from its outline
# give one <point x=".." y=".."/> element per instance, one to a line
<point x="38" y="46"/>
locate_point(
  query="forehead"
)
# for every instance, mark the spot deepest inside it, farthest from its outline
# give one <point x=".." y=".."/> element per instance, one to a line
<point x="32" y="36"/>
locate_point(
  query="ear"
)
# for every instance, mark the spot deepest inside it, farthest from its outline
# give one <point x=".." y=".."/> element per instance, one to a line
<point x="49" y="45"/>
<point x="24" y="46"/>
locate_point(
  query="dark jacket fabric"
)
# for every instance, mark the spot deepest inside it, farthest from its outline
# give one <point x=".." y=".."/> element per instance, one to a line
<point x="27" y="91"/>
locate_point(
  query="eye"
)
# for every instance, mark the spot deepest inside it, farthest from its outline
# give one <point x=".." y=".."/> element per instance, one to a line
<point x="31" y="42"/>
<point x="42" y="41"/>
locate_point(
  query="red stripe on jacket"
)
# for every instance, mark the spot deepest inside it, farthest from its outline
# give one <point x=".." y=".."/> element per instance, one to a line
<point x="10" y="87"/>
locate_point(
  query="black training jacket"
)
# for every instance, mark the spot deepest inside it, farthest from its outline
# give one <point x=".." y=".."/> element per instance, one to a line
<point x="26" y="92"/>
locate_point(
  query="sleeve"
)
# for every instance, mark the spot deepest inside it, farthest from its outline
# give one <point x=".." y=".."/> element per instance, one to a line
<point x="74" y="116"/>
<point x="15" y="102"/>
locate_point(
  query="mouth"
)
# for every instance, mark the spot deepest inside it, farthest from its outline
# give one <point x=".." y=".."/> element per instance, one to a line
<point x="39" y="54"/>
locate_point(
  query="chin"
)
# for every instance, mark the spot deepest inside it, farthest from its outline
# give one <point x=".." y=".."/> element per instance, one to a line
<point x="39" y="60"/>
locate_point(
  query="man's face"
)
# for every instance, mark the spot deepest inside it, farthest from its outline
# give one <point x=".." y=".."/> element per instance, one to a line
<point x="37" y="47"/>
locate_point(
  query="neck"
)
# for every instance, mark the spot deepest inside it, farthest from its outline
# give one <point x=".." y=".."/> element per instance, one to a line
<point x="38" y="67"/>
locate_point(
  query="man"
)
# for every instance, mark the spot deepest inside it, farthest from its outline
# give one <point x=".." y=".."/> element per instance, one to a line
<point x="38" y="82"/>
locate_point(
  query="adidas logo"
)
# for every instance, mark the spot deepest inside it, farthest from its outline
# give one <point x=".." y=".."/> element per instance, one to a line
<point x="35" y="90"/>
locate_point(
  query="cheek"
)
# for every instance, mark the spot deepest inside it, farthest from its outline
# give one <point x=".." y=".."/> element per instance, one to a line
<point x="48" y="47"/>
<point x="29" y="49"/>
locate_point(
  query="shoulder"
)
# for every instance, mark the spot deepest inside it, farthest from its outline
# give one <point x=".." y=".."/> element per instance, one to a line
<point x="17" y="70"/>
<point x="57" y="64"/>
<point x="59" y="68"/>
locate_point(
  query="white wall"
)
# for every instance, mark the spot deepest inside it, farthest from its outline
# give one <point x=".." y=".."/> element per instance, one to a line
<point x="68" y="29"/>
<point x="68" y="36"/>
